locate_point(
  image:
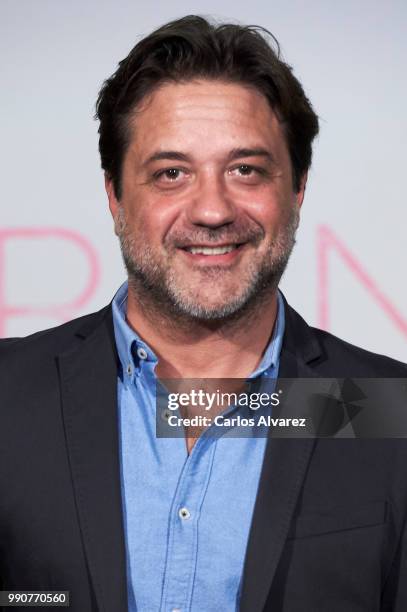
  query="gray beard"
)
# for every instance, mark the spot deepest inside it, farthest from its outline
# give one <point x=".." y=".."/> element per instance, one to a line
<point x="155" y="286"/>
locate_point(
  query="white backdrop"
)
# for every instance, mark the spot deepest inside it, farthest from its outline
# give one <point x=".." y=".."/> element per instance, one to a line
<point x="58" y="255"/>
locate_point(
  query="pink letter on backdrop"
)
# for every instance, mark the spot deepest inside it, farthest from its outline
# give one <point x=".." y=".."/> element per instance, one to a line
<point x="60" y="311"/>
<point x="327" y="241"/>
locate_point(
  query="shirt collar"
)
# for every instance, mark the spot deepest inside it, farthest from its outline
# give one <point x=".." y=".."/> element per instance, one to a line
<point x="130" y="346"/>
<point x="268" y="364"/>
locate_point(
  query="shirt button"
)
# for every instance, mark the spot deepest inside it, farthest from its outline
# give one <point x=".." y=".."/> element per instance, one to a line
<point x="165" y="415"/>
<point x="128" y="369"/>
<point x="176" y="610"/>
<point x="142" y="353"/>
<point x="184" y="514"/>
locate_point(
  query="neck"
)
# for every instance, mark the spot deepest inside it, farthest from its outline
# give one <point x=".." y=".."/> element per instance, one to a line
<point x="204" y="349"/>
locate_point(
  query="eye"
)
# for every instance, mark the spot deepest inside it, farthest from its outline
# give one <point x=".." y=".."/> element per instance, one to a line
<point x="250" y="174"/>
<point x="169" y="175"/>
<point x="245" y="170"/>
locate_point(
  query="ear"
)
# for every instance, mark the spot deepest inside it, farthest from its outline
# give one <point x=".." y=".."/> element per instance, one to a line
<point x="299" y="196"/>
<point x="111" y="196"/>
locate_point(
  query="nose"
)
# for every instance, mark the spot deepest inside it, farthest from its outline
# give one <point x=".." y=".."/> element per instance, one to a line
<point x="211" y="205"/>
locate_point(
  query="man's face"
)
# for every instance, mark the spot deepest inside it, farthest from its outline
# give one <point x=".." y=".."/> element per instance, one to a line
<point x="207" y="215"/>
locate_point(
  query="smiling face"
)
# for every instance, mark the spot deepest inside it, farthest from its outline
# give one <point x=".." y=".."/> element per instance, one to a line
<point x="208" y="214"/>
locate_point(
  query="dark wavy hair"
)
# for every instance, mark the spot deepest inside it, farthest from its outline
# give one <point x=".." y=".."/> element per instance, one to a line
<point x="191" y="48"/>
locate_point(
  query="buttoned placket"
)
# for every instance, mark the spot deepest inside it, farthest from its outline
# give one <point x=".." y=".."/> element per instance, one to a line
<point x="179" y="573"/>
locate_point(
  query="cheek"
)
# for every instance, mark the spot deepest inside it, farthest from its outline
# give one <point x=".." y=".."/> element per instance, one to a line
<point x="266" y="211"/>
<point x="154" y="219"/>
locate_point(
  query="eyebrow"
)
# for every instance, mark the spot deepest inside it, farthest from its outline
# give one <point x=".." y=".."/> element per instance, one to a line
<point x="256" y="152"/>
<point x="232" y="155"/>
<point x="158" y="155"/>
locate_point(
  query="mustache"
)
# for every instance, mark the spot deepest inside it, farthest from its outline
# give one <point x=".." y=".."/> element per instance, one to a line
<point x="222" y="235"/>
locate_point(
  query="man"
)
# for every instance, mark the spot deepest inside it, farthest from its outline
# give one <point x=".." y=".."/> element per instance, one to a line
<point x="205" y="140"/>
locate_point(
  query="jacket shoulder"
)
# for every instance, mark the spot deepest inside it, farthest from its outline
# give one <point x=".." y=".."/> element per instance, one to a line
<point x="53" y="340"/>
<point x="356" y="360"/>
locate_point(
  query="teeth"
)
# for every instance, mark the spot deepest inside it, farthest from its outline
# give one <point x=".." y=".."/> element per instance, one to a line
<point x="211" y="250"/>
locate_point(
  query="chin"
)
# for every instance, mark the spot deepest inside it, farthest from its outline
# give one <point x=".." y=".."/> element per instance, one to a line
<point x="206" y="309"/>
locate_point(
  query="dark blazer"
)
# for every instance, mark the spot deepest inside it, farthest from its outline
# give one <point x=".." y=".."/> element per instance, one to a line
<point x="328" y="531"/>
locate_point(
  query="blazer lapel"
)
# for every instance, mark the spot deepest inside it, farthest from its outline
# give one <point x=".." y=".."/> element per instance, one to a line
<point x="89" y="398"/>
<point x="283" y="471"/>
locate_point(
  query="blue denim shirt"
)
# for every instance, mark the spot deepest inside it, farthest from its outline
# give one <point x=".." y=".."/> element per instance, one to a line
<point x="186" y="517"/>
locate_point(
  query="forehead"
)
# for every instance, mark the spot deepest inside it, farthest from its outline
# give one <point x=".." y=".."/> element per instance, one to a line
<point x="204" y="113"/>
